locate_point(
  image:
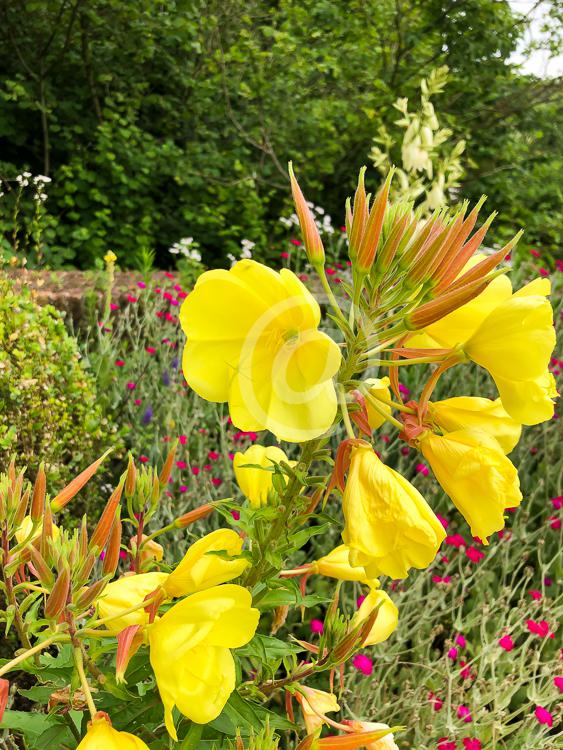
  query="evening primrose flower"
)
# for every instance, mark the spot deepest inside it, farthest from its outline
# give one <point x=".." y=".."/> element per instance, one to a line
<point x="200" y="570"/>
<point x="514" y="343"/>
<point x="491" y="417"/>
<point x="389" y="526"/>
<point x="123" y="594"/>
<point x="102" y="736"/>
<point x="25" y="528"/>
<point x="336" y="564"/>
<point x="473" y="470"/>
<point x="314" y="702"/>
<point x="387" y="616"/>
<point x="252" y="340"/>
<point x="385" y="743"/>
<point x="190" y="651"/>
<point x="257" y="483"/>
<point x="379" y="388"/>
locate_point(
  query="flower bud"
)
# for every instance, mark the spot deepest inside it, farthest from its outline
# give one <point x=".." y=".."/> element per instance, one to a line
<point x="39" y="491"/>
<point x="374" y="225"/>
<point x="4" y="695"/>
<point x="111" y="559"/>
<point x="168" y="464"/>
<point x="194" y="515"/>
<point x="309" y="229"/>
<point x="57" y="599"/>
<point x="89" y="595"/>
<point x="73" y="487"/>
<point x="130" y="479"/>
<point x="103" y="528"/>
<point x="128" y="642"/>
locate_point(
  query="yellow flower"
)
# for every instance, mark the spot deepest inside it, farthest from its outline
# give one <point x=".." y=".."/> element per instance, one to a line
<point x="252" y="340"/>
<point x="514" y="343"/>
<point x="379" y="388"/>
<point x="125" y="593"/>
<point x="314" y="702"/>
<point x="199" y="570"/>
<point x="110" y="257"/>
<point x="337" y="565"/>
<point x="463" y="412"/>
<point x="387" y="616"/>
<point x="389" y="526"/>
<point x="189" y="651"/>
<point x="102" y="736"/>
<point x="385" y="743"/>
<point x="478" y="477"/>
<point x="24" y="530"/>
<point x="257" y="483"/>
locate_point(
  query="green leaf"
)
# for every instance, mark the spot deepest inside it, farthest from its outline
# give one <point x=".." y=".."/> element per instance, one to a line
<point x="268" y="648"/>
<point x="243" y="716"/>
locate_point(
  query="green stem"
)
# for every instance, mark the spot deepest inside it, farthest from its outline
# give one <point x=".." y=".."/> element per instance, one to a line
<point x="329" y="293"/>
<point x="59" y="638"/>
<point x="345" y="414"/>
<point x="380" y="410"/>
<point x="79" y="662"/>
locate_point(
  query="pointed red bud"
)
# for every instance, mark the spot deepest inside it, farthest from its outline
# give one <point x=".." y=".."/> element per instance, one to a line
<point x="40" y="567"/>
<point x="103" y="528"/>
<point x="131" y="478"/>
<point x="111" y="559"/>
<point x="72" y="488"/>
<point x="57" y="599"/>
<point x="88" y="596"/>
<point x="359" y="217"/>
<point x="168" y="464"/>
<point x="372" y="233"/>
<point x="194" y="515"/>
<point x="311" y="236"/>
<point x="39" y="491"/>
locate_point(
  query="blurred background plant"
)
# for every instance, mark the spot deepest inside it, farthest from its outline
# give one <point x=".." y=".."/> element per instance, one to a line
<point x="431" y="165"/>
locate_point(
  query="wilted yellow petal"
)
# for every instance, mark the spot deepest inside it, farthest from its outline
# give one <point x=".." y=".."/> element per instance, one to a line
<point x="387" y="616"/>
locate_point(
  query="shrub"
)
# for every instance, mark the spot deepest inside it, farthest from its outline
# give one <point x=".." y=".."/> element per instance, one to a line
<point x="49" y="404"/>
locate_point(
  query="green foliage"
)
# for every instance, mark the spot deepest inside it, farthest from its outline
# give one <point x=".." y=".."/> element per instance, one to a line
<point x="49" y="404"/>
<point x="162" y="120"/>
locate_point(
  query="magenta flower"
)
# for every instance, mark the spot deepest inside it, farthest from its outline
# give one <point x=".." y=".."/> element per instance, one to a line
<point x="359" y="600"/>
<point x="216" y="482"/>
<point x="182" y="439"/>
<point x="143" y="459"/>
<point x="131" y="386"/>
<point x="150" y="349"/>
<point x="119" y="362"/>
<point x="472" y="744"/>
<point x="113" y="307"/>
<point x="535" y="594"/>
<point x="285" y="255"/>
<point x="540" y="628"/>
<point x="181" y="465"/>
<point x="183" y="488"/>
<point x="212" y="456"/>
<point x="444" y="521"/>
<point x="555" y="523"/>
<point x="460" y="641"/>
<point x="422" y="469"/>
<point x="452" y="653"/>
<point x="435" y="702"/>
<point x="558" y="682"/>
<point x="557" y="502"/>
<point x="506" y="643"/>
<point x="441" y="579"/>
<point x="456" y="540"/>
<point x="445" y="744"/>
<point x="130" y="298"/>
<point x="464" y="713"/>
<point x="236" y="515"/>
<point x="141" y="285"/>
<point x="195" y="470"/>
<point x="317" y="626"/>
<point x="474" y="554"/>
<point x="363" y="664"/>
<point x="543" y="716"/>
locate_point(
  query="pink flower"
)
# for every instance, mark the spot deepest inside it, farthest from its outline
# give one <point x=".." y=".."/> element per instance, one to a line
<point x="119" y="362"/>
<point x="363" y="664"/>
<point x="444" y="521"/>
<point x="559" y="265"/>
<point x="131" y="386"/>
<point x="195" y="471"/>
<point x="422" y="469"/>
<point x="535" y="253"/>
<point x="169" y="275"/>
<point x="330" y="271"/>
<point x="506" y="643"/>
<point x="317" y="626"/>
<point x="404" y="390"/>
<point x="474" y="554"/>
<point x="452" y="653"/>
<point x="445" y="744"/>
<point x="150" y="349"/>
<point x="303" y="277"/>
<point x="130" y="298"/>
<point x="543" y="272"/>
<point x="456" y="540"/>
<point x="138" y="401"/>
<point x="543" y="716"/>
<point x="360" y="600"/>
<point x="141" y="285"/>
<point x="216" y="482"/>
<point x="440" y="579"/>
<point x="143" y="459"/>
<point x="547" y="581"/>
<point x="464" y="713"/>
<point x="181" y="465"/>
<point x="555" y="523"/>
<point x="212" y="456"/>
<point x="472" y="744"/>
<point x="557" y="502"/>
<point x="182" y="439"/>
<point x="558" y="682"/>
<point x="295" y="242"/>
<point x="460" y="641"/>
<point x="236" y="515"/>
<point x="285" y="255"/>
<point x="539" y="628"/>
<point x="177" y="288"/>
<point x="535" y="594"/>
<point x="113" y="307"/>
<point x="183" y="488"/>
<point x="465" y="671"/>
<point x="435" y="702"/>
<point x="405" y="450"/>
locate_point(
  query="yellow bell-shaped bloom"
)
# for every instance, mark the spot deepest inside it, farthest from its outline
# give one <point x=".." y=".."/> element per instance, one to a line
<point x="25" y="528"/>
<point x="314" y="702"/>
<point x="389" y="526"/>
<point x="387" y="616"/>
<point x="257" y="483"/>
<point x="529" y="401"/>
<point x="337" y="565"/>
<point x="475" y="473"/>
<point x="460" y="324"/>
<point x="189" y="651"/>
<point x="125" y="593"/>
<point x="514" y="343"/>
<point x="378" y="388"/>
<point x="491" y="417"/>
<point x="252" y="340"/>
<point x="102" y="736"/>
<point x="200" y="570"/>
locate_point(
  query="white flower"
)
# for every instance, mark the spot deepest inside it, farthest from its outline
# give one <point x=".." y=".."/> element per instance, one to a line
<point x="247" y="244"/>
<point x="41" y="178"/>
<point x="320" y="210"/>
<point x="286" y="222"/>
<point x="174" y="250"/>
<point x="194" y="255"/>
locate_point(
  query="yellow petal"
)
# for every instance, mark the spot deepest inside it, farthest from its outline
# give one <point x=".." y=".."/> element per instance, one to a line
<point x="337" y="565"/>
<point x="24" y="530"/>
<point x="387" y="616"/>
<point x="477" y="413"/>
<point x="516" y="340"/>
<point x="255" y="484"/>
<point x="379" y="388"/>
<point x="477" y="476"/>
<point x="314" y="702"/>
<point x="102" y="736"/>
<point x="389" y="527"/>
<point x="199" y="570"/>
<point x="528" y="401"/>
<point x="127" y="592"/>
